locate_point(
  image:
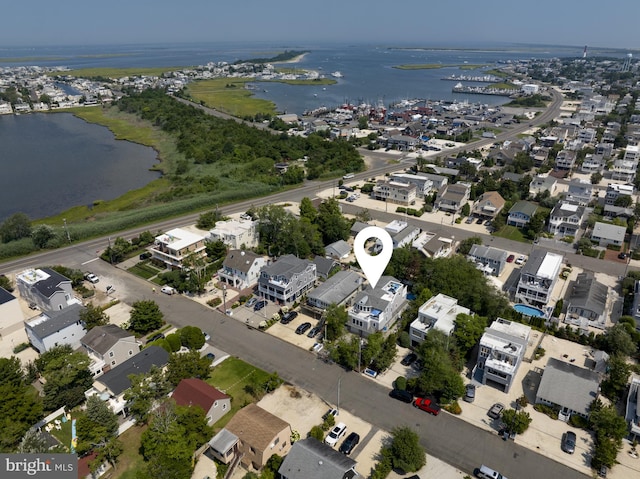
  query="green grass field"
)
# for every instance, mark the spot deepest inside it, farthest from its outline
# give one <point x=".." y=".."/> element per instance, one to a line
<point x="230" y="96"/>
<point x="512" y="233"/>
<point x="117" y="72"/>
<point x="130" y="461"/>
<point x="144" y="270"/>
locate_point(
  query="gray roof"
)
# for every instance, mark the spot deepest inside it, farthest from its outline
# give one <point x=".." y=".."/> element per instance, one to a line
<point x="58" y="320"/>
<point x="102" y="338"/>
<point x="287" y="266"/>
<point x="240" y="260"/>
<point x="117" y="379"/>
<point x="223" y="441"/>
<point x="374" y="296"/>
<point x="525" y="207"/>
<point x="587" y="293"/>
<point x="488" y="252"/>
<point x="609" y="231"/>
<point x="405" y="232"/>
<point x="568" y="385"/>
<point x="337" y="288"/>
<point x="324" y="265"/>
<point x="5" y="296"/>
<point x="560" y="212"/>
<point x="515" y="177"/>
<point x="49" y="286"/>
<point x="618" y="210"/>
<point x="534" y="262"/>
<point x="340" y="248"/>
<point x="357" y="227"/>
<point x="310" y="458"/>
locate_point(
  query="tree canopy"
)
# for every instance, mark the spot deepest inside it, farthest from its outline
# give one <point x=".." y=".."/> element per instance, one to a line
<point x="406" y="452"/>
<point x="145" y="317"/>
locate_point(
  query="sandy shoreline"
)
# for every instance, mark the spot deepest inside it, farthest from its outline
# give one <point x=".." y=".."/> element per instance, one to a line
<point x="296" y="59"/>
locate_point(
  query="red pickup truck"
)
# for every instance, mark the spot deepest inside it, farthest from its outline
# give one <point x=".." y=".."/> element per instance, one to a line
<point x="428" y="405"/>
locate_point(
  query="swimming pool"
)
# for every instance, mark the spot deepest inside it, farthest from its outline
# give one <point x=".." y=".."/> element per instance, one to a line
<point x="529" y="310"/>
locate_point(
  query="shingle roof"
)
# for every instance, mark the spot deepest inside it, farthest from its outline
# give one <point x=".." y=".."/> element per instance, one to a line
<point x="488" y="252"/>
<point x="340" y="247"/>
<point x="525" y="207"/>
<point x="57" y="320"/>
<point x="240" y="260"/>
<point x="102" y="338"/>
<point x="286" y="266"/>
<point x="568" y="385"/>
<point x="49" y="286"/>
<point x="255" y="426"/>
<point x="337" y="288"/>
<point x="311" y="459"/>
<point x="5" y="296"/>
<point x="194" y="391"/>
<point x="324" y="265"/>
<point x="587" y="293"/>
<point x="117" y="379"/>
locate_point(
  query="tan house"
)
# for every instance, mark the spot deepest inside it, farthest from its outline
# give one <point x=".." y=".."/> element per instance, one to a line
<point x="172" y="247"/>
<point x="260" y="435"/>
<point x="489" y="205"/>
<point x="107" y="346"/>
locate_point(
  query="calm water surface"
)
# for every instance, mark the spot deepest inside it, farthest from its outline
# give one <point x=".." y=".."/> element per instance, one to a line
<point x="52" y="162"/>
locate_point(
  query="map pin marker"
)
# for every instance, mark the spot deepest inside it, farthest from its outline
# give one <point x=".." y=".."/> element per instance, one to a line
<point x="373" y="266"/>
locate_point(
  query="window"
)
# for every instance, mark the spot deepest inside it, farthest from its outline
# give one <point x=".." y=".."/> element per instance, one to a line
<point x="130" y="352"/>
<point x="113" y="363"/>
<point x="111" y="354"/>
<point x="224" y="406"/>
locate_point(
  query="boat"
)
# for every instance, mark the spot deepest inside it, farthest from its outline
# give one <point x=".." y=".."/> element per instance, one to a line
<point x="336" y="74"/>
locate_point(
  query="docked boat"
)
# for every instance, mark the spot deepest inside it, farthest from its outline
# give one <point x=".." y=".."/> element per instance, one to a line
<point x="336" y="74"/>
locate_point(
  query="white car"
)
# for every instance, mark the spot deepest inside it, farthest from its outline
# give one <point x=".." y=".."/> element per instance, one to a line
<point x="168" y="290"/>
<point x="521" y="260"/>
<point x="336" y="433"/>
<point x="92" y="278"/>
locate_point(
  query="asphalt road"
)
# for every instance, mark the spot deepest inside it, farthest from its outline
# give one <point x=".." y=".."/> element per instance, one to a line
<point x="446" y="437"/>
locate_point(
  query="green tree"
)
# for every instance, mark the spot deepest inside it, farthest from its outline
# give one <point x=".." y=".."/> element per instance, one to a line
<point x="215" y="250"/>
<point x="145" y="316"/>
<point x="363" y="122"/>
<point x="332" y="224"/>
<point x="93" y="316"/>
<point x="33" y="441"/>
<point x="606" y="422"/>
<point x="41" y="235"/>
<point x="466" y="244"/>
<point x="624" y="201"/>
<point x="145" y="393"/>
<point x="6" y="283"/>
<point x="192" y="337"/>
<point x="516" y="421"/>
<point x="617" y="340"/>
<point x="208" y="220"/>
<point x="317" y="432"/>
<point x="336" y="319"/>
<point x="15" y="227"/>
<point x="293" y="176"/>
<point x="109" y="452"/>
<point x="615" y="384"/>
<point x="96" y="426"/>
<point x="307" y="210"/>
<point x="466" y="209"/>
<point x="467" y="332"/>
<point x="67" y="377"/>
<point x="187" y="365"/>
<point x="195" y="266"/>
<point x="406" y="452"/>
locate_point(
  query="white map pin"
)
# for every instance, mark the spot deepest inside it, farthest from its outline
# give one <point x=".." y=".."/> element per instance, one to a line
<point x="373" y="266"/>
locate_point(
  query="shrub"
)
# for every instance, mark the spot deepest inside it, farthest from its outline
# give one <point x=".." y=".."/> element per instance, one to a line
<point x="401" y="382"/>
<point x="548" y="410"/>
<point x="317" y="432"/>
<point x="579" y="421"/>
<point x="523" y="401"/>
<point x="453" y="408"/>
<point x="214" y="302"/>
<point x="328" y="423"/>
<point x="401" y="209"/>
<point x="20" y="347"/>
<point x="540" y="352"/>
<point x="174" y="341"/>
<point x="404" y="340"/>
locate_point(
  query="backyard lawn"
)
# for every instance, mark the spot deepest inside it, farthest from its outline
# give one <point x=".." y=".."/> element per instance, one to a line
<point x="512" y="233"/>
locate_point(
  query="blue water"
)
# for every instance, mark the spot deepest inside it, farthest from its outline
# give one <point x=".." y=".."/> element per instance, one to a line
<point x="529" y="310"/>
<point x="368" y="73"/>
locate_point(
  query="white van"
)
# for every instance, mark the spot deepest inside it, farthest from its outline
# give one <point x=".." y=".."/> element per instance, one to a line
<point x="487" y="473"/>
<point x="348" y="176"/>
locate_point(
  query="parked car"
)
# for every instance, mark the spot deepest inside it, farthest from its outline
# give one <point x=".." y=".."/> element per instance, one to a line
<point x="313" y="332"/>
<point x="401" y="395"/>
<point x="505" y="434"/>
<point x="480" y="221"/>
<point x="168" y="290"/>
<point x="260" y="304"/>
<point x="336" y="433"/>
<point x="155" y="337"/>
<point x="496" y="411"/>
<point x="207" y="336"/>
<point x="303" y="328"/>
<point x="568" y="444"/>
<point x="409" y="359"/>
<point x="145" y="255"/>
<point x="210" y="356"/>
<point x="484" y="472"/>
<point x="521" y="260"/>
<point x="622" y="255"/>
<point x="602" y="472"/>
<point x="469" y="220"/>
<point x="470" y="393"/>
<point x="427" y="404"/>
<point x="288" y="317"/>
<point x="349" y="443"/>
<point x="331" y="412"/>
<point x="251" y="303"/>
<point x="510" y="258"/>
<point x="92" y="278"/>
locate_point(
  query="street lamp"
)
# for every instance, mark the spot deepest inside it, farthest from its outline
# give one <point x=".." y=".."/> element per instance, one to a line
<point x="224" y="298"/>
<point x="64" y="220"/>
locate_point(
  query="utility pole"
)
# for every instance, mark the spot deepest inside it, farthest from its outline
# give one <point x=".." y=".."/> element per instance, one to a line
<point x="338" y="403"/>
<point x="64" y="220"/>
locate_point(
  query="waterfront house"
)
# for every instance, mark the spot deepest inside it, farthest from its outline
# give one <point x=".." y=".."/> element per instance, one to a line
<point x="502" y="349"/>
<point x="237" y="234"/>
<point x="174" y="246"/>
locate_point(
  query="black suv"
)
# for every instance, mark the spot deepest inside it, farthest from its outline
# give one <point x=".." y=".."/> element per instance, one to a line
<point x="288" y="317"/>
<point x="303" y="328"/>
<point x="349" y="443"/>
<point x="409" y="359"/>
<point x="401" y="395"/>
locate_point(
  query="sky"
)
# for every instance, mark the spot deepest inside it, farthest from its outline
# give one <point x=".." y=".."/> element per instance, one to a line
<point x="610" y="23"/>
